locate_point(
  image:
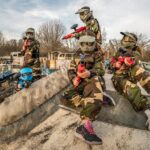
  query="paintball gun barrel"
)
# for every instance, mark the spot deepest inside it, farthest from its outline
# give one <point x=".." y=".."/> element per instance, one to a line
<point x="7" y="75"/>
<point x="76" y="30"/>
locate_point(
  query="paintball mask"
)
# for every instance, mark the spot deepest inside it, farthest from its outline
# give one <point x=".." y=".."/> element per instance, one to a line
<point x="26" y="74"/>
<point x="87" y="43"/>
<point x="129" y="40"/>
<point x="85" y="13"/>
<point x="30" y="33"/>
<point x="24" y="36"/>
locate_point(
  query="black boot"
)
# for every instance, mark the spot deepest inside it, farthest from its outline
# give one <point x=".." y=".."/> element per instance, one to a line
<point x="90" y="138"/>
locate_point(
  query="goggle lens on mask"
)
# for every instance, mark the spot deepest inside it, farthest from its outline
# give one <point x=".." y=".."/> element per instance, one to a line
<point x="87" y="43"/>
<point x="127" y="39"/>
<point x="82" y="14"/>
<point x="29" y="33"/>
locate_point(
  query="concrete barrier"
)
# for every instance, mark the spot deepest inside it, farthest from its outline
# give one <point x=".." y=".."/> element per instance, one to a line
<point x="29" y="121"/>
<point x="23" y="102"/>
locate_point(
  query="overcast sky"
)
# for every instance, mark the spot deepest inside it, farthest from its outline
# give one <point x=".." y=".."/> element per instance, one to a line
<point x="113" y="15"/>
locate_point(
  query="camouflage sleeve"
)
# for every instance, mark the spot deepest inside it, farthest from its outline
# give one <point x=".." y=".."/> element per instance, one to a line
<point x="98" y="67"/>
<point x="97" y="30"/>
<point x="137" y="57"/>
<point x="72" y="70"/>
<point x="35" y="49"/>
<point x="35" y="45"/>
<point x="38" y="44"/>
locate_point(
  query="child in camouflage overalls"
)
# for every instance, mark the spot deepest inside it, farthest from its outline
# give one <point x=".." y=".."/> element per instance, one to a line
<point x="30" y="50"/>
<point x="128" y="72"/>
<point x="86" y="90"/>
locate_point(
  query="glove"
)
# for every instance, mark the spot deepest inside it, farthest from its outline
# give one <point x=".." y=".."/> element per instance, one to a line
<point x="76" y="81"/>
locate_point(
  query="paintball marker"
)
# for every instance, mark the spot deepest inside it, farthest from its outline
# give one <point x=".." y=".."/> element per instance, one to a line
<point x="76" y="30"/>
<point x="7" y="75"/>
<point x="124" y="58"/>
<point x="25" y="78"/>
<point x="7" y="84"/>
<point x="26" y="45"/>
<point x="81" y="67"/>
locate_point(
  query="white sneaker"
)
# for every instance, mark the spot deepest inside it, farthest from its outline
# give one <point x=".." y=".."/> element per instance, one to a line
<point x="147" y="112"/>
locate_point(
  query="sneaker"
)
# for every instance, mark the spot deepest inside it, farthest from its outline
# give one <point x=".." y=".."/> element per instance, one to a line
<point x="147" y="113"/>
<point x="83" y="134"/>
<point x="108" y="100"/>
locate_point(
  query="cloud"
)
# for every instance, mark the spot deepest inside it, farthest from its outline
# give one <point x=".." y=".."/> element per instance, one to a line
<point x="116" y="16"/>
<point x="113" y="15"/>
<point x="41" y="14"/>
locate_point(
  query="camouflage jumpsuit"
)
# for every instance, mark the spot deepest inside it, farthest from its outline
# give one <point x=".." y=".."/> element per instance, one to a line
<point x="31" y="56"/>
<point x="88" y="93"/>
<point x="125" y="80"/>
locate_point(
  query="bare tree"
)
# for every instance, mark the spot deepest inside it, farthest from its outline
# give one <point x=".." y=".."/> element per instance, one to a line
<point x="104" y="35"/>
<point x="111" y="47"/>
<point x="146" y="55"/>
<point x="71" y="44"/>
<point x="2" y="39"/>
<point x="143" y="40"/>
<point x="2" y="45"/>
<point x="50" y="35"/>
<point x="8" y="46"/>
<point x="144" y="44"/>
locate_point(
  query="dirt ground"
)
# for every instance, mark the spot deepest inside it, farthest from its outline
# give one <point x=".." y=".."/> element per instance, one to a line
<point x="57" y="133"/>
